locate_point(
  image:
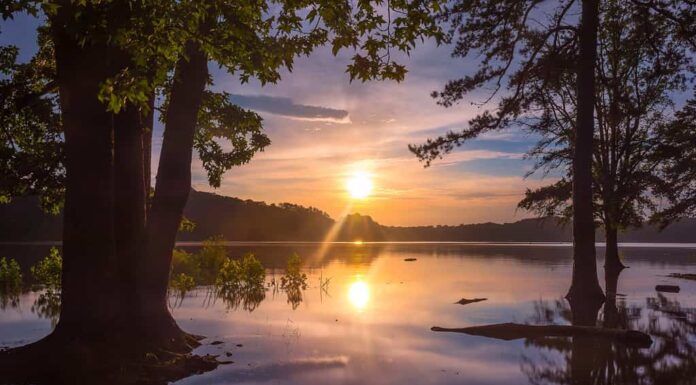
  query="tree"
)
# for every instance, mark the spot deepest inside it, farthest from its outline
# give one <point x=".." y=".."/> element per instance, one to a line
<point x="675" y="157"/>
<point x="111" y="59"/>
<point x="516" y="39"/>
<point x="528" y="44"/>
<point x="639" y="68"/>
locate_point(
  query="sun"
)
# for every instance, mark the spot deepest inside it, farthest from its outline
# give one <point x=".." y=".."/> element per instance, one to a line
<point x="359" y="294"/>
<point x="359" y="185"/>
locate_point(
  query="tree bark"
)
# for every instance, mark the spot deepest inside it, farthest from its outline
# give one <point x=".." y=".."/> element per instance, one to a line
<point x="88" y="277"/>
<point x="173" y="181"/>
<point x="584" y="282"/>
<point x="611" y="258"/>
<point x="129" y="205"/>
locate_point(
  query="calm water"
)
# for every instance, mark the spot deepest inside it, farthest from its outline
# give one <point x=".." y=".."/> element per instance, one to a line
<point x="371" y="323"/>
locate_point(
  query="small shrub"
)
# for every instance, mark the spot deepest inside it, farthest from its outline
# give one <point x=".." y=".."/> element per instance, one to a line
<point x="48" y="271"/>
<point x="245" y="272"/>
<point x="186" y="225"/>
<point x="10" y="276"/>
<point x="182" y="283"/>
<point x="293" y="276"/>
<point x="187" y="263"/>
<point x="294" y="282"/>
<point x="211" y="258"/>
<point x="241" y="283"/>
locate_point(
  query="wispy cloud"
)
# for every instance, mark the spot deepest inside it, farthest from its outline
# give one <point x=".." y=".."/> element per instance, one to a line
<point x="288" y="108"/>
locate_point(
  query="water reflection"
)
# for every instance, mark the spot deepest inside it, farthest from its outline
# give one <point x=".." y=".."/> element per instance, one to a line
<point x="47" y="306"/>
<point x="371" y="323"/>
<point x="359" y="294"/>
<point x="587" y="360"/>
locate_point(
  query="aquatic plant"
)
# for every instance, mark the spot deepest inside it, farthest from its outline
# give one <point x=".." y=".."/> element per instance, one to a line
<point x="182" y="283"/>
<point x="247" y="271"/>
<point x="47" y="306"/>
<point x="186" y="263"/>
<point x="241" y="283"/>
<point x="48" y="271"/>
<point x="10" y="283"/>
<point x="211" y="258"/>
<point x="10" y="275"/>
<point x="203" y="266"/>
<point x="294" y="282"/>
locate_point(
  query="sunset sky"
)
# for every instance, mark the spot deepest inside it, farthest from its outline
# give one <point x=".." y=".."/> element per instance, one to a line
<point x="324" y="129"/>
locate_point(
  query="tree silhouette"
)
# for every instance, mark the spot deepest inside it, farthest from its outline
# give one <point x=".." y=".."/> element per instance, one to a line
<point x="676" y="158"/>
<point x="639" y="67"/>
<point x="518" y="39"/>
<point x="527" y="46"/>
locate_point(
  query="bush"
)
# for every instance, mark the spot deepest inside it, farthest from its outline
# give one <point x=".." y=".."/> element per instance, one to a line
<point x="211" y="259"/>
<point x="241" y="283"/>
<point x="48" y="271"/>
<point x="245" y="272"/>
<point x="293" y="277"/>
<point x="182" y="283"/>
<point x="10" y="276"/>
<point x="294" y="282"/>
<point x="187" y="263"/>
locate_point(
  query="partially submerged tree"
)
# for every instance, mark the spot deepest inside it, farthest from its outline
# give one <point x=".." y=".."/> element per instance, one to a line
<point x="639" y="67"/>
<point x="111" y="58"/>
<point x="516" y="39"/>
<point x="526" y="47"/>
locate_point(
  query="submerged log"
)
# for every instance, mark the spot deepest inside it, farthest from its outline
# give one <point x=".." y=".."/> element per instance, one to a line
<point x="667" y="288"/>
<point x="513" y="331"/>
<point x="683" y="276"/>
<point x="465" y="301"/>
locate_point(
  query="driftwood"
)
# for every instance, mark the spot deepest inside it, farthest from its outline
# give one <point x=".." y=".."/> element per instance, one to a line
<point x="409" y="259"/>
<point x="465" y="301"/>
<point x="667" y="288"/>
<point x="513" y="331"/>
<point x="683" y="276"/>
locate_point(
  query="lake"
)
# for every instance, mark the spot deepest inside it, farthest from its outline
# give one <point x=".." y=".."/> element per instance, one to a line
<point x="365" y="315"/>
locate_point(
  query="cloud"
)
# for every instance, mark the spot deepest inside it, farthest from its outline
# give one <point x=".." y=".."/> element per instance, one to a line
<point x="286" y="107"/>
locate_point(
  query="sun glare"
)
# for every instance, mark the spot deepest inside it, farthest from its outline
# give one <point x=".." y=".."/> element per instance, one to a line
<point x="359" y="185"/>
<point x="359" y="294"/>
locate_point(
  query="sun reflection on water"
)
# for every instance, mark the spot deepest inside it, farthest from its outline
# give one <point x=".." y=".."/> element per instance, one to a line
<point x="359" y="294"/>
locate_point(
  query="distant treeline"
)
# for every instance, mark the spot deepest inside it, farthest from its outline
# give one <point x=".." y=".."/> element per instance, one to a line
<point x="246" y="220"/>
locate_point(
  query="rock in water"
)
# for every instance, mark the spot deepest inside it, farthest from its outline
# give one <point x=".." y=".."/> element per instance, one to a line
<point x="465" y="301"/>
<point x="667" y="288"/>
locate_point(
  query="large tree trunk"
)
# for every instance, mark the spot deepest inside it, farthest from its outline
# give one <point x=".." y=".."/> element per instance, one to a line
<point x="611" y="258"/>
<point x="88" y="296"/>
<point x="585" y="283"/>
<point x="129" y="213"/>
<point x="173" y="182"/>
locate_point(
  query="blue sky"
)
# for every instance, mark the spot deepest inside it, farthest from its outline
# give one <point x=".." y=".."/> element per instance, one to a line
<point x="324" y="128"/>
